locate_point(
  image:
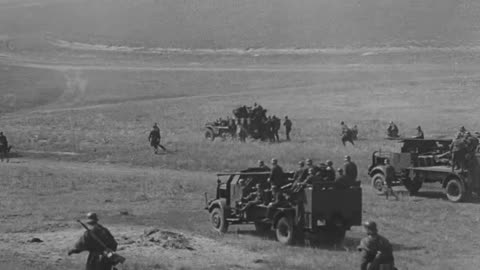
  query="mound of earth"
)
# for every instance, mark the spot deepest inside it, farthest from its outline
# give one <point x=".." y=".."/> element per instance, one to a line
<point x="166" y="239"/>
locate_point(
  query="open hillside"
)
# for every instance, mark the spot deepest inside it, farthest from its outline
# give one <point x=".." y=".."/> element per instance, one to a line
<point x="217" y="24"/>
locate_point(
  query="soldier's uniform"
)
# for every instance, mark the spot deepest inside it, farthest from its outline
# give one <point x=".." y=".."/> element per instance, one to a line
<point x="392" y="130"/>
<point x="254" y="198"/>
<point x="389" y="178"/>
<point x="420" y="134"/>
<point x="288" y="127"/>
<point x="350" y="169"/>
<point x="154" y="138"/>
<point x="330" y="171"/>
<point x="301" y="173"/>
<point x="96" y="258"/>
<point x="3" y="147"/>
<point x="277" y="176"/>
<point x="376" y="250"/>
<point x="459" y="151"/>
<point x="262" y="166"/>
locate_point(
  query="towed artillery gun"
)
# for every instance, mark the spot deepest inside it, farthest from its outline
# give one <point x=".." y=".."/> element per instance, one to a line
<point x="213" y="131"/>
<point x="426" y="161"/>
<point x="328" y="212"/>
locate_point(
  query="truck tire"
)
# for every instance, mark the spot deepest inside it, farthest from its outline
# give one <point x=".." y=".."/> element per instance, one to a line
<point x="217" y="218"/>
<point x="209" y="135"/>
<point x="262" y="227"/>
<point x="455" y="190"/>
<point x="378" y="181"/>
<point x="285" y="231"/>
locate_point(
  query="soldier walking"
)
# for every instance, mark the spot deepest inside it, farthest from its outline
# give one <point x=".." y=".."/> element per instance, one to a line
<point x="288" y="127"/>
<point x="389" y="178"/>
<point x="4" y="148"/>
<point x="154" y="139"/>
<point x="377" y="252"/>
<point x="89" y="242"/>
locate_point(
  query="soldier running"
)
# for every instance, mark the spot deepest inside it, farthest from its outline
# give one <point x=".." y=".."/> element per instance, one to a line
<point x="154" y="139"/>
<point x="96" y="258"/>
<point x="377" y="252"/>
<point x="288" y="127"/>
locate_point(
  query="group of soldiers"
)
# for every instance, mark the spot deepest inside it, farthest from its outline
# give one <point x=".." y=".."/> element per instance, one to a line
<point x="253" y="121"/>
<point x="98" y="241"/>
<point x="392" y="131"/>
<point x="376" y="250"/>
<point x="463" y="148"/>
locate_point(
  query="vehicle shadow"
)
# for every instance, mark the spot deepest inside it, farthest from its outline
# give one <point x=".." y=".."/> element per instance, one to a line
<point x="442" y="196"/>
<point x="348" y="244"/>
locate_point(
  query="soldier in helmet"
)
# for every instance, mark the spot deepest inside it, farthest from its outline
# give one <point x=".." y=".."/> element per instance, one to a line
<point x="262" y="166"/>
<point x="96" y="259"/>
<point x="350" y="169"/>
<point x="420" y="134"/>
<point x="389" y="178"/>
<point x="277" y="176"/>
<point x="329" y="171"/>
<point x="392" y="130"/>
<point x="154" y="138"/>
<point x="377" y="252"/>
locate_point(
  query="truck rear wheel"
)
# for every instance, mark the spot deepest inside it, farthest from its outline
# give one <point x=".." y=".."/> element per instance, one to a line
<point x="455" y="190"/>
<point x="378" y="181"/>
<point x="285" y="231"/>
<point x="217" y="218"/>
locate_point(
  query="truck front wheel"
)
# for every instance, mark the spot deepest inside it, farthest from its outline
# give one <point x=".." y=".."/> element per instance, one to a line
<point x="285" y="231"/>
<point x="378" y="181"/>
<point x="217" y="218"/>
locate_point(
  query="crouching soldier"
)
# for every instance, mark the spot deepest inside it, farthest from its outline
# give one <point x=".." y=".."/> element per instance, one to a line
<point x="255" y="198"/>
<point x="377" y="253"/>
<point x="97" y="241"/>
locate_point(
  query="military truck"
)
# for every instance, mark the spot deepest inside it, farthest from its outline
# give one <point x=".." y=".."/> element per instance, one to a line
<point x="426" y="161"/>
<point x="327" y="211"/>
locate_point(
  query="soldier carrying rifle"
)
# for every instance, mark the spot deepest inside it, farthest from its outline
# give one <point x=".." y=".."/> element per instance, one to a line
<point x="100" y="244"/>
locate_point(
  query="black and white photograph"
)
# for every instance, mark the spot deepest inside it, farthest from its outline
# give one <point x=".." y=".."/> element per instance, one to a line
<point x="239" y="134"/>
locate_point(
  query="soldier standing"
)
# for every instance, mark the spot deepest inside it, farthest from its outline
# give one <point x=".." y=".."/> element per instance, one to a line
<point x="301" y="173"/>
<point x="377" y="252"/>
<point x="154" y="139"/>
<point x="350" y="169"/>
<point x="88" y="242"/>
<point x="277" y="176"/>
<point x="3" y="147"/>
<point x="389" y="178"/>
<point x="288" y="127"/>
<point x="276" y="127"/>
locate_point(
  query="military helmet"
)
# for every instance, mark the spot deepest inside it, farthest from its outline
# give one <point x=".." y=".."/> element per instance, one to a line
<point x="261" y="163"/>
<point x="347" y="158"/>
<point x="301" y="163"/>
<point x="419" y="127"/>
<point x="308" y="161"/>
<point x="329" y="163"/>
<point x="92" y="218"/>
<point x="462" y="129"/>
<point x="370" y="226"/>
<point x="274" y="161"/>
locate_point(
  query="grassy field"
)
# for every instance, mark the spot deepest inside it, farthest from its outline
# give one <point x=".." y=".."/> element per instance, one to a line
<point x="103" y="112"/>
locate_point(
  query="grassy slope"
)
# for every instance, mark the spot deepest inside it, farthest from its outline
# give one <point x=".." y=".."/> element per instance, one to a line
<point x="427" y="231"/>
<point x="247" y="24"/>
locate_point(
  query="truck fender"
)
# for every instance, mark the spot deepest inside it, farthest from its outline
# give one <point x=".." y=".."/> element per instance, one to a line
<point x="220" y="203"/>
<point x="377" y="169"/>
<point x="290" y="213"/>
